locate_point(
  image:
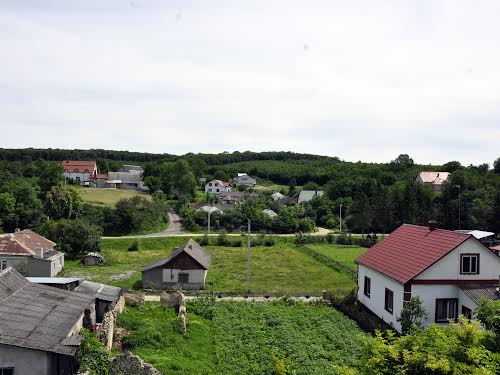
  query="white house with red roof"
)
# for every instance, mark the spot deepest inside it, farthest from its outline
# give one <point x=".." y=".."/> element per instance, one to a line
<point x="217" y="187"/>
<point x="80" y="170"/>
<point x="449" y="271"/>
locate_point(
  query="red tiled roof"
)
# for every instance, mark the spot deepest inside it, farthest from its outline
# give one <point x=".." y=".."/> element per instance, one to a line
<point x="79" y="164"/>
<point x="221" y="183"/>
<point x="495" y="248"/>
<point x="24" y="242"/>
<point x="409" y="250"/>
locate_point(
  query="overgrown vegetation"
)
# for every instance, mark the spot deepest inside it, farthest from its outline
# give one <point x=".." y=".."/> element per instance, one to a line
<point x="91" y="355"/>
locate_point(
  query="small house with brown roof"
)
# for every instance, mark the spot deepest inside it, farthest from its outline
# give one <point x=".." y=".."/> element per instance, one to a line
<point x="217" y="187"/>
<point x="185" y="268"/>
<point x="31" y="254"/>
<point x="441" y="267"/>
<point x="433" y="179"/>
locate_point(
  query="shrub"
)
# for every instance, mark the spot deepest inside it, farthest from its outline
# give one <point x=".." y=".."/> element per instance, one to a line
<point x="203" y="306"/>
<point x="342" y="239"/>
<point x="91" y="355"/>
<point x="412" y="315"/>
<point x="205" y="240"/>
<point x="134" y="246"/>
<point x="222" y="238"/>
<point x="270" y="241"/>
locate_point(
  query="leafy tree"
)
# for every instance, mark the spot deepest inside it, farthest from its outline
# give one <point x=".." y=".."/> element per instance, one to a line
<point x="412" y="315"/>
<point x="7" y="209"/>
<point x="488" y="314"/>
<point x="74" y="237"/>
<point x="403" y="161"/>
<point x="28" y="208"/>
<point x="292" y="186"/>
<point x="453" y="349"/>
<point x="91" y="355"/>
<point x="496" y="166"/>
<point x="138" y="214"/>
<point x="220" y="175"/>
<point x="361" y="212"/>
<point x="185" y="184"/>
<point x="51" y="175"/>
<point x="494" y="218"/>
<point x="62" y="202"/>
<point x="452" y="166"/>
<point x="311" y="186"/>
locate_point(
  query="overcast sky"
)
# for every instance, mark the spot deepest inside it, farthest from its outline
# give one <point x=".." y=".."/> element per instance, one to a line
<point x="361" y="80"/>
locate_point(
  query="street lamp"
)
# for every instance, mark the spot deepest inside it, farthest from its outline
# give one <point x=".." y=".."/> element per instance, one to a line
<point x="340" y="216"/>
<point x="459" y="204"/>
<point x="209" y="210"/>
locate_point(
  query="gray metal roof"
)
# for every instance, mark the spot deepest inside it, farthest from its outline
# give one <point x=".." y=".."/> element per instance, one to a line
<point x="477" y="292"/>
<point x="191" y="248"/>
<point x="97" y="290"/>
<point x="36" y="316"/>
<point x="307" y="195"/>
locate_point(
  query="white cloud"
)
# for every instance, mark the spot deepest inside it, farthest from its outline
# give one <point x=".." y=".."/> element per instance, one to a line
<point x="360" y="80"/>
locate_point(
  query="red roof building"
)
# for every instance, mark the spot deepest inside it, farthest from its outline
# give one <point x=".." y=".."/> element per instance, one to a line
<point x="439" y="266"/>
<point x="81" y="170"/>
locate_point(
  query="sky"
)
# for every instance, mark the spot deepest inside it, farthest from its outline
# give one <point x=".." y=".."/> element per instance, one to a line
<point x="361" y="80"/>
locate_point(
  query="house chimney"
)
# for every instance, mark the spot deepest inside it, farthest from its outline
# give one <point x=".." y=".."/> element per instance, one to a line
<point x="39" y="252"/>
<point x="433" y="224"/>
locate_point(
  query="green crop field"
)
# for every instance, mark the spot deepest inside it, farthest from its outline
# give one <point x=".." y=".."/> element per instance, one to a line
<point x="107" y="197"/>
<point x="342" y="254"/>
<point x="244" y="338"/>
<point x="279" y="269"/>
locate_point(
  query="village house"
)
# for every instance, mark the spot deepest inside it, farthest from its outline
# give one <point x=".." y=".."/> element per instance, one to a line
<point x="80" y="171"/>
<point x="244" y="179"/>
<point x="309" y="195"/>
<point x="433" y="179"/>
<point x="217" y="187"/>
<point x="277" y="196"/>
<point x="186" y="268"/>
<point x="39" y="326"/>
<point x="128" y="177"/>
<point x="31" y="254"/>
<point x="446" y="269"/>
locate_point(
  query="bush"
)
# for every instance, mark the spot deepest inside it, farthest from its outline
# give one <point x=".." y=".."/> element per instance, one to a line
<point x="342" y="239"/>
<point x="222" y="238"/>
<point x="134" y="246"/>
<point x="270" y="241"/>
<point x="203" y="306"/>
<point x="91" y="355"/>
<point x="205" y="240"/>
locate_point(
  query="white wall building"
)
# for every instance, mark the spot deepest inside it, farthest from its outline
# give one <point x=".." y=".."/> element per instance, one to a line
<point x="446" y="269"/>
<point x="217" y="187"/>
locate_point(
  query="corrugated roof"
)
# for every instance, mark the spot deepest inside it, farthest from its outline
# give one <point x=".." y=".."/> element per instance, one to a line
<point x="25" y="242"/>
<point x="307" y="195"/>
<point x="478" y="292"/>
<point x="409" y="250"/>
<point x="36" y="316"/>
<point x="191" y="248"/>
<point x="97" y="290"/>
<point x="52" y="280"/>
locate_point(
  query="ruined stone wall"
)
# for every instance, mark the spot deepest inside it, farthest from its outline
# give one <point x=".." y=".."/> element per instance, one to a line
<point x="129" y="363"/>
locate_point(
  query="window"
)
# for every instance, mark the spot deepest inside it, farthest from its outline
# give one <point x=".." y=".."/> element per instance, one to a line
<point x="367" y="286"/>
<point x="446" y="309"/>
<point x="466" y="312"/>
<point x="76" y="171"/>
<point x="209" y="184"/>
<point x="389" y="300"/>
<point x="469" y="264"/>
<point x="183" y="278"/>
<point x="3" y="264"/>
<point x="6" y="370"/>
<point x="217" y="190"/>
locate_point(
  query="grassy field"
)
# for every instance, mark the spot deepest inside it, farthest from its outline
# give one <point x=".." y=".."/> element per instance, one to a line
<point x="107" y="197"/>
<point x="342" y="254"/>
<point x="280" y="269"/>
<point x="245" y="338"/>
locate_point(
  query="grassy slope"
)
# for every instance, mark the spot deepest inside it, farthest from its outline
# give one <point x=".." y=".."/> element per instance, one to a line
<point x="245" y="338"/>
<point x="107" y="197"/>
<point x="342" y="254"/>
<point x="280" y="269"/>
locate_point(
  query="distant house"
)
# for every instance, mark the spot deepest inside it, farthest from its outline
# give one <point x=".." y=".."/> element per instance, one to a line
<point x="433" y="179"/>
<point x="217" y="187"/>
<point x="80" y="171"/>
<point x="277" y="196"/>
<point x="447" y="270"/>
<point x="30" y="253"/>
<point x="127" y="178"/>
<point x="308" y="195"/>
<point x="186" y="268"/>
<point x="244" y="179"/>
<point x="40" y="326"/>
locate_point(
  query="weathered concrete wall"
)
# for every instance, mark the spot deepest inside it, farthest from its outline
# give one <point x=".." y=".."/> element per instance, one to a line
<point x="25" y="361"/>
<point x="129" y="363"/>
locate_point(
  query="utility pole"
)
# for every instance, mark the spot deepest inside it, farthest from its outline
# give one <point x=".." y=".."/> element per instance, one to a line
<point x="340" y="216"/>
<point x="248" y="276"/>
<point x="459" y="204"/>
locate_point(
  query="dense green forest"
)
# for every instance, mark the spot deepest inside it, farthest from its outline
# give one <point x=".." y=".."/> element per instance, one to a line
<point x="375" y="196"/>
